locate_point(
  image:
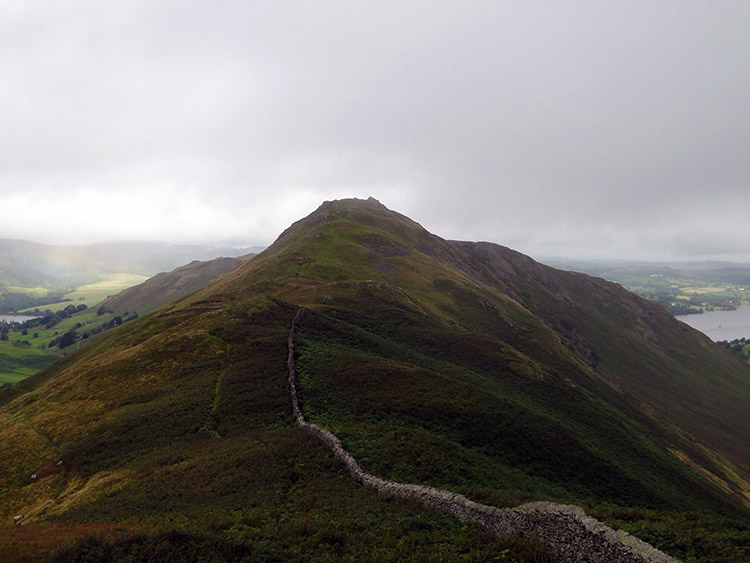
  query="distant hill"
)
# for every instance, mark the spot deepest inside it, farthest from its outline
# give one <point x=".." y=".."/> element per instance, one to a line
<point x="29" y="264"/>
<point x="459" y="365"/>
<point x="682" y="288"/>
<point x="167" y="287"/>
<point x="623" y="271"/>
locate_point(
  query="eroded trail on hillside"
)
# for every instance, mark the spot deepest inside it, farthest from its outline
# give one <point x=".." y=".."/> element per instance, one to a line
<point x="565" y="530"/>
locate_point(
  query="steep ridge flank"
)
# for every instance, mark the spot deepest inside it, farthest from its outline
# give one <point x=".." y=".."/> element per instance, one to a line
<point x="564" y="529"/>
<point x="678" y="376"/>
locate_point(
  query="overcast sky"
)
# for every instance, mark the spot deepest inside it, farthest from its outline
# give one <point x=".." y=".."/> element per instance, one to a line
<point x="579" y="129"/>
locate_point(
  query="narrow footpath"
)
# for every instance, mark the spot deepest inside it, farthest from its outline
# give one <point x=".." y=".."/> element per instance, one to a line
<point x="565" y="530"/>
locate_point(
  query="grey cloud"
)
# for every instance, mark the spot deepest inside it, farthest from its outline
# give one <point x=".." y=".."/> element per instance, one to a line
<point x="563" y="127"/>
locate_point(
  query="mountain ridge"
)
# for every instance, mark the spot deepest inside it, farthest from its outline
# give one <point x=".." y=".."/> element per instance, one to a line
<point x="462" y="366"/>
<point x="562" y="300"/>
<point x="514" y="274"/>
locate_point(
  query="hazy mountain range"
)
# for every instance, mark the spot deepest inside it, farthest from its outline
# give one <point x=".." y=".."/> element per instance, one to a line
<point x="29" y="264"/>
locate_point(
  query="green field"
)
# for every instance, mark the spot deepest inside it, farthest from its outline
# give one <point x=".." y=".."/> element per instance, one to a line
<point x="22" y="355"/>
<point x="93" y="293"/>
<point x="33" y="291"/>
<point x="18" y="361"/>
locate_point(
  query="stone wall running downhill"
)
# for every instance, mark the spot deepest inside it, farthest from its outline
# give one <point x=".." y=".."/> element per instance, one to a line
<point x="565" y="530"/>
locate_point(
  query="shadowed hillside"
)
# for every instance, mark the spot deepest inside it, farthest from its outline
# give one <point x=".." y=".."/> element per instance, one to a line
<point x="464" y="366"/>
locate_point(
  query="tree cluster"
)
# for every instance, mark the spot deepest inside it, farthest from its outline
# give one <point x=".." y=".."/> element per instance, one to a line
<point x="676" y="304"/>
<point x="740" y="347"/>
<point x="12" y="302"/>
<point x="50" y="319"/>
<point x="73" y="335"/>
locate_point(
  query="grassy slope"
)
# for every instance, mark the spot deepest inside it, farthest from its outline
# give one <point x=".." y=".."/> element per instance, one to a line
<point x="184" y="423"/>
<point x="18" y="362"/>
<point x="182" y="420"/>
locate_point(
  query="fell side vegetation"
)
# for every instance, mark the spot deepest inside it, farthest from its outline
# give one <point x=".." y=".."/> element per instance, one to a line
<point x="189" y="443"/>
<point x="416" y="417"/>
<point x="460" y="365"/>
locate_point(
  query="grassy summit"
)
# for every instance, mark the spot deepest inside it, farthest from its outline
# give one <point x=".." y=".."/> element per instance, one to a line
<point x="461" y="365"/>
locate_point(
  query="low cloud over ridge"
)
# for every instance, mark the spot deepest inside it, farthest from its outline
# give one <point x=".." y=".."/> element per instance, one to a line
<point x="557" y="128"/>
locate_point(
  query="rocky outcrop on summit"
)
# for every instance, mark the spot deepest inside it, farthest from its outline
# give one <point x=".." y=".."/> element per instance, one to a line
<point x="565" y="530"/>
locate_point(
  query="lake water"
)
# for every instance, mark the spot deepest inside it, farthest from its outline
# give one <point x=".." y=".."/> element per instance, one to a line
<point x="15" y="318"/>
<point x="721" y="325"/>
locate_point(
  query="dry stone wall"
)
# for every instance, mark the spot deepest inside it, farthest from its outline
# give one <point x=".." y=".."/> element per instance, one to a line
<point x="565" y="530"/>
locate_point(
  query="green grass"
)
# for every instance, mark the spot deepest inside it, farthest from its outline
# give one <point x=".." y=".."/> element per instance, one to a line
<point x="690" y="536"/>
<point x="32" y="291"/>
<point x="94" y="293"/>
<point x="15" y="376"/>
<point x="24" y="355"/>
<point x="20" y="361"/>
